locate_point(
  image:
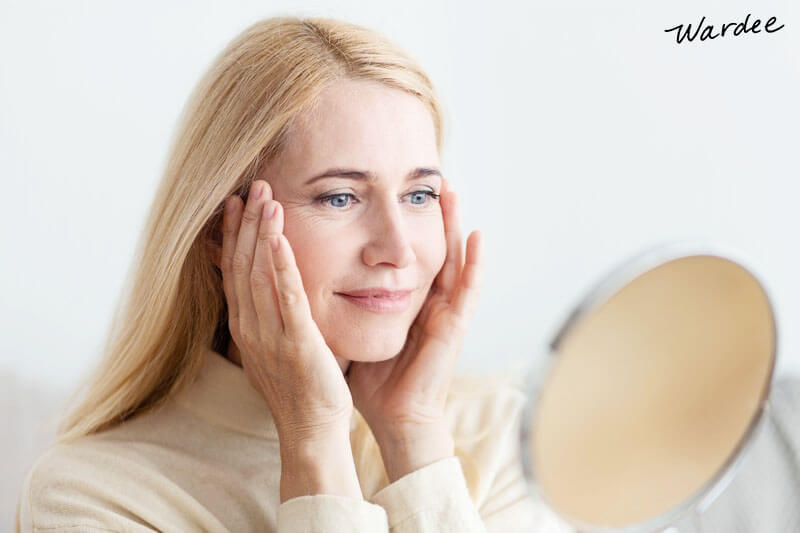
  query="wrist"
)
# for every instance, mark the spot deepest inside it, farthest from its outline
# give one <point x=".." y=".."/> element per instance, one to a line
<point x="319" y="465"/>
<point x="405" y="450"/>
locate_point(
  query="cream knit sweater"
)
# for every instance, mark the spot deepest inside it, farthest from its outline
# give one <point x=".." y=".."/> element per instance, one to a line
<point x="209" y="461"/>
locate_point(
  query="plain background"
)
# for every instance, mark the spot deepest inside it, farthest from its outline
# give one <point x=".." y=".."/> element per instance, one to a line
<point x="577" y="136"/>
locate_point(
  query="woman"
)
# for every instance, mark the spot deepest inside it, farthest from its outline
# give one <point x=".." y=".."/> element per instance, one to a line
<point x="254" y="379"/>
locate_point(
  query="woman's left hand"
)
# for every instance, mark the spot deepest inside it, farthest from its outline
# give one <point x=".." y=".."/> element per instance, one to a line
<point x="403" y="398"/>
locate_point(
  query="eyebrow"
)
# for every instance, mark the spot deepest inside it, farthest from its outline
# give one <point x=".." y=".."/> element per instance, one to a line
<point x="371" y="177"/>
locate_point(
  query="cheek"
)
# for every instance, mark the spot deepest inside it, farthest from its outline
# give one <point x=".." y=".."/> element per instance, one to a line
<point x="317" y="272"/>
<point x="432" y="249"/>
<point x="324" y="256"/>
<point x="314" y="255"/>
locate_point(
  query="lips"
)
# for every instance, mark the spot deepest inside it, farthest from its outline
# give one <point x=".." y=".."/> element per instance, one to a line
<point x="379" y="293"/>
<point x="390" y="302"/>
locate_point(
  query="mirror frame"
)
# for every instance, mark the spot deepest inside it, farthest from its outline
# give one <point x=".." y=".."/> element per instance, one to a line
<point x="599" y="293"/>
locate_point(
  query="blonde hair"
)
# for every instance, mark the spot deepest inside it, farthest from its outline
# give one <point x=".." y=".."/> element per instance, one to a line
<point x="238" y="117"/>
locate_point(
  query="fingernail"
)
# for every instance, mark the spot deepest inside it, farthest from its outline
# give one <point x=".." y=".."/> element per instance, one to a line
<point x="229" y="205"/>
<point x="274" y="242"/>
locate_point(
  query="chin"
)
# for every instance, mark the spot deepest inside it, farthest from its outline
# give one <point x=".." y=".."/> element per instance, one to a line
<point x="371" y="350"/>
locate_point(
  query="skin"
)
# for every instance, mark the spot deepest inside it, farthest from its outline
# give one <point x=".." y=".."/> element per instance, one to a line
<point x="397" y="366"/>
<point x="374" y="240"/>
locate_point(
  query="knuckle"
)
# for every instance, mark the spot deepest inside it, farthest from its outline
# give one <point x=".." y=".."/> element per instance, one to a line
<point x="263" y="236"/>
<point x="260" y="278"/>
<point x="282" y="266"/>
<point x="249" y="216"/>
<point x="287" y="296"/>
<point x="240" y="263"/>
<point x="228" y="230"/>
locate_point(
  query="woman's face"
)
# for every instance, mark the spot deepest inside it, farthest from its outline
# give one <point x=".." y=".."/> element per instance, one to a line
<point x="389" y="233"/>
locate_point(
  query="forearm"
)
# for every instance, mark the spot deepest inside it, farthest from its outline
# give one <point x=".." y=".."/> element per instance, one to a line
<point x="405" y="450"/>
<point x="322" y="465"/>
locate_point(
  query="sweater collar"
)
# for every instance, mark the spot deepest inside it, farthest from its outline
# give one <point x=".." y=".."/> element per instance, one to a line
<point x="222" y="394"/>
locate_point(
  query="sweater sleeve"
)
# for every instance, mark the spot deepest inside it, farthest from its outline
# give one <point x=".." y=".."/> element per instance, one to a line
<point x="437" y="497"/>
<point x="433" y="498"/>
<point x="320" y="513"/>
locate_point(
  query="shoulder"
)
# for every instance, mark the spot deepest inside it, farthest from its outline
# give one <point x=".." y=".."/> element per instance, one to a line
<point x="101" y="456"/>
<point x="62" y="461"/>
<point x="56" y="486"/>
<point x="83" y="484"/>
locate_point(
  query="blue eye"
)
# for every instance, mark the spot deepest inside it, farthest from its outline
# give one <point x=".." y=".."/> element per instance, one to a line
<point x="325" y="199"/>
<point x="429" y="194"/>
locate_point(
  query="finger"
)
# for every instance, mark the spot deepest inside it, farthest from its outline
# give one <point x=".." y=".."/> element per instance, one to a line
<point x="465" y="301"/>
<point x="292" y="299"/>
<point x="451" y="270"/>
<point x="265" y="298"/>
<point x="245" y="249"/>
<point x="230" y="231"/>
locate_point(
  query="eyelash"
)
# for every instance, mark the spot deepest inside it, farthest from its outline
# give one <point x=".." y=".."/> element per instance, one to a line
<point x="324" y="199"/>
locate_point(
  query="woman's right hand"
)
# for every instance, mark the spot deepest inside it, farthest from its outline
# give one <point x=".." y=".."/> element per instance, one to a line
<point x="283" y="353"/>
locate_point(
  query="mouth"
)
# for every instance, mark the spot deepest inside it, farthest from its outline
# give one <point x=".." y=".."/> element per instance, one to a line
<point x="378" y="292"/>
<point x="386" y="302"/>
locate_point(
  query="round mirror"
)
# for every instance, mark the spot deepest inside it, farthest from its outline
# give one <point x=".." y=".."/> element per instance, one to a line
<point x="655" y="385"/>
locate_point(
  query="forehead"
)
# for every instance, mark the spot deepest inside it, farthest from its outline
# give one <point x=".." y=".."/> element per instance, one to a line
<point x="364" y="125"/>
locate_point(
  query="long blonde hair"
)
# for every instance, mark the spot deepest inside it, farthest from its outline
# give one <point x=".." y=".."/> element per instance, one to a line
<point x="238" y="118"/>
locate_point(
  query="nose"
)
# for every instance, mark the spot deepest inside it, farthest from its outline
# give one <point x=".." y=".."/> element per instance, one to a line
<point x="388" y="238"/>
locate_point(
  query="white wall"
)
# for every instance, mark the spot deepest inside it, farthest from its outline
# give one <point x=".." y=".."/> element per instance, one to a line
<point x="578" y="135"/>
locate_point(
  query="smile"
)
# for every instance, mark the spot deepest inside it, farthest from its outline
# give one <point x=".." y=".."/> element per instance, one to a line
<point x="379" y="305"/>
